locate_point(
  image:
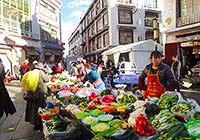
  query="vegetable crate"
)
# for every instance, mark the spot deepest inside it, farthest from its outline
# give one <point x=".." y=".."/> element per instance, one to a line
<point x="49" y="116"/>
<point x="63" y="135"/>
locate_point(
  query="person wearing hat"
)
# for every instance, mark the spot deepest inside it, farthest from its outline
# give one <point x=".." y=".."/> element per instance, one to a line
<point x="32" y="106"/>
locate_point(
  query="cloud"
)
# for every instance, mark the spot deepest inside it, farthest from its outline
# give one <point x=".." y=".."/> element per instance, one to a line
<point x="67" y="30"/>
<point x="77" y="13"/>
<point x="79" y="3"/>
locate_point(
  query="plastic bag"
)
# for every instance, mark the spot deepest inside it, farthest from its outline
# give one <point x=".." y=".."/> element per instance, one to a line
<point x="193" y="128"/>
<point x="30" y="81"/>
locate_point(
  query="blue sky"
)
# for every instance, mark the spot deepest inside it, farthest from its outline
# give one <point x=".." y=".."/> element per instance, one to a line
<point x="72" y="11"/>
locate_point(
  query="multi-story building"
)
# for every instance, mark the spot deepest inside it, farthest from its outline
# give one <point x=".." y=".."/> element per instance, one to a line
<point x="109" y="23"/>
<point x="29" y="29"/>
<point x="181" y="30"/>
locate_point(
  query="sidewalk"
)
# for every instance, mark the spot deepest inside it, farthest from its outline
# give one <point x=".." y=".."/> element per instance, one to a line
<point x="14" y="127"/>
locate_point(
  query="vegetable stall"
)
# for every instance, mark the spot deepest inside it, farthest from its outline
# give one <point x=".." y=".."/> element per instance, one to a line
<point x="85" y="113"/>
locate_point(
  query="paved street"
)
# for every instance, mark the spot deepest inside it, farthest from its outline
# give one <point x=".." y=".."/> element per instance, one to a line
<point x="22" y="130"/>
<point x="194" y="94"/>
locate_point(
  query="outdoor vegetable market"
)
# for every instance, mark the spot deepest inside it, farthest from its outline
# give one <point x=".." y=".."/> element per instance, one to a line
<point x="81" y="112"/>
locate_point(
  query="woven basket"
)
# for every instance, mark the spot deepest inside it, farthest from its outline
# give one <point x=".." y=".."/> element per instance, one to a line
<point x="49" y="116"/>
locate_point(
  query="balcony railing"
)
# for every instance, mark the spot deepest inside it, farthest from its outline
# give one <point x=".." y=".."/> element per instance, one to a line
<point x="188" y="19"/>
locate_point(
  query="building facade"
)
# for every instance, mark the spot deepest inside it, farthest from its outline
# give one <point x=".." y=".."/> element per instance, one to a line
<point x="29" y="29"/>
<point x="109" y="23"/>
<point x="181" y="30"/>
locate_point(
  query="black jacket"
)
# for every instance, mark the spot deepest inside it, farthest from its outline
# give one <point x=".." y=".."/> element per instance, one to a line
<point x="6" y="104"/>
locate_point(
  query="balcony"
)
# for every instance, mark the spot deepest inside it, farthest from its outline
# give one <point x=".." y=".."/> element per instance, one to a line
<point x="188" y="20"/>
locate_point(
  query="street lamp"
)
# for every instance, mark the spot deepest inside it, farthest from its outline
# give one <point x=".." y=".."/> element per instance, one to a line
<point x="155" y="30"/>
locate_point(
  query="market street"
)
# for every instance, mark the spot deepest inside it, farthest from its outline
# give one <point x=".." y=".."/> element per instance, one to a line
<point x="14" y="127"/>
<point x="24" y="130"/>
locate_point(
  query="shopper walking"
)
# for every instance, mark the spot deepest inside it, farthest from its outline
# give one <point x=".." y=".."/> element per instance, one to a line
<point x="38" y="100"/>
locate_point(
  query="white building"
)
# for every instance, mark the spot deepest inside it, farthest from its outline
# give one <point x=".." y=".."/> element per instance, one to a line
<point x="29" y="29"/>
<point x="109" y="23"/>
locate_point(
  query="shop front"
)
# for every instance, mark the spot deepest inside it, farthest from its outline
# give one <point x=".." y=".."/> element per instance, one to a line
<point x="52" y="51"/>
<point x="187" y="48"/>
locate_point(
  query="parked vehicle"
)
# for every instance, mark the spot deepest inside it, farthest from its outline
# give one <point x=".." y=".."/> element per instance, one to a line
<point x="128" y="75"/>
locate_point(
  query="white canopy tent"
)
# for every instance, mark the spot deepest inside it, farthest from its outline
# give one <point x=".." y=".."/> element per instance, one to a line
<point x="138" y="52"/>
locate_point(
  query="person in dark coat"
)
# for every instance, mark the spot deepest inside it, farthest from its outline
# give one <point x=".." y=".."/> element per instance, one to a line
<point x="160" y="77"/>
<point x="6" y="104"/>
<point x="32" y="105"/>
<point x="2" y="70"/>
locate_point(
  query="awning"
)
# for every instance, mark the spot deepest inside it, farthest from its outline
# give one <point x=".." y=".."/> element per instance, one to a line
<point x="11" y="40"/>
<point x="51" y="45"/>
<point x="52" y="52"/>
<point x="3" y="46"/>
<point x="47" y="53"/>
<point x="32" y="43"/>
<point x="33" y="52"/>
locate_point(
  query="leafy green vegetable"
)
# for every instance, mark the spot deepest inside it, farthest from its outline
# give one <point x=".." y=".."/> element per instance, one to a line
<point x="166" y="101"/>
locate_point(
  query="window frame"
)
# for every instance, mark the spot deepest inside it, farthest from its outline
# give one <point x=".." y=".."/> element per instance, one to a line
<point x="123" y="38"/>
<point x="127" y="12"/>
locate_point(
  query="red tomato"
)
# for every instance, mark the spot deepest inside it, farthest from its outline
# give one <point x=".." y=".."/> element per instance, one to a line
<point x="135" y="128"/>
<point x="140" y="131"/>
<point x="147" y="134"/>
<point x="142" y="123"/>
<point x="141" y="116"/>
<point x="146" y="120"/>
<point x="150" y="129"/>
<point x="152" y="132"/>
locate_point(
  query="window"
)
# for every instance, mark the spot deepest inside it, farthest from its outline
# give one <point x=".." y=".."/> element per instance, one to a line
<point x="88" y="19"/>
<point x="6" y="11"/>
<point x="105" y="3"/>
<point x="125" y="37"/>
<point x="189" y="12"/>
<point x="93" y="45"/>
<point x="105" y="19"/>
<point x="106" y="39"/>
<point x="99" y="25"/>
<point x="125" y="1"/>
<point x="48" y="10"/>
<point x="26" y="6"/>
<point x="13" y="3"/>
<point x="48" y="34"/>
<point x="93" y="29"/>
<point x="125" y="16"/>
<point x="99" y="42"/>
<point x="92" y="14"/>
<point x="15" y="16"/>
<point x="150" y="3"/>
<point x="98" y="7"/>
